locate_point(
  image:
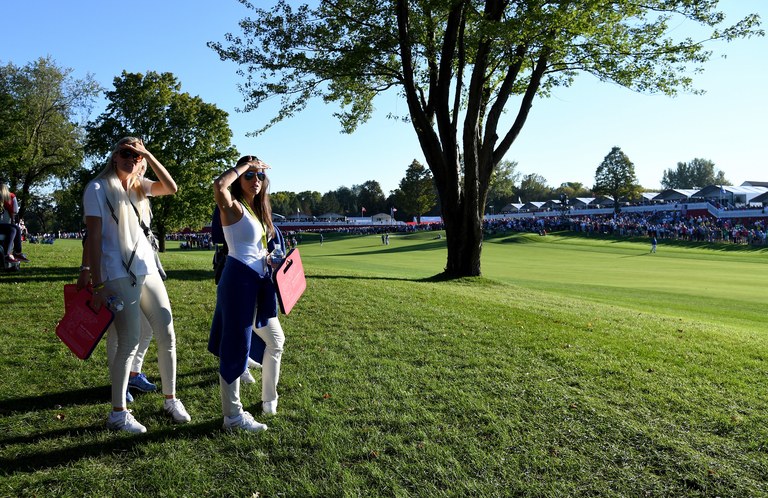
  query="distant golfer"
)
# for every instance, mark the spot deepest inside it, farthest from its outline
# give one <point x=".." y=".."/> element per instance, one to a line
<point x="653" y="244"/>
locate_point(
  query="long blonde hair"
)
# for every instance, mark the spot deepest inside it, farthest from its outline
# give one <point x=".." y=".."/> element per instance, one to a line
<point x="123" y="201"/>
<point x="134" y="187"/>
<point x="4" y="192"/>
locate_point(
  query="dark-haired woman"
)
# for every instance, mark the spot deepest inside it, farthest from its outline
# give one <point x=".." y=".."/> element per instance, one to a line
<point x="245" y="322"/>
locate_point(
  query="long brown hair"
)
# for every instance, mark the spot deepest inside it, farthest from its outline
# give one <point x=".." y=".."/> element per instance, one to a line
<point x="261" y="206"/>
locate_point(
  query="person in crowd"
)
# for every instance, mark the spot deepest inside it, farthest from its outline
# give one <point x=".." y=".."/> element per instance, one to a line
<point x="9" y="212"/>
<point x="245" y="324"/>
<point x="122" y="264"/>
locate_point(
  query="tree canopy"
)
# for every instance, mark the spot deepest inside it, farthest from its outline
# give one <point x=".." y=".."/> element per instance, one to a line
<point x="416" y="194"/>
<point x="502" y="188"/>
<point x="698" y="173"/>
<point x="615" y="178"/>
<point x="191" y="138"/>
<point x="461" y="65"/>
<point x="40" y="135"/>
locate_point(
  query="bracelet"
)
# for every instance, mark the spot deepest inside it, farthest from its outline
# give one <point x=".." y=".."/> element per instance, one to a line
<point x="98" y="286"/>
<point x="235" y="170"/>
<point x="85" y="268"/>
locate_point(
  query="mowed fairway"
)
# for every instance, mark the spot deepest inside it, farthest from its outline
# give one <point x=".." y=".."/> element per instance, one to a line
<point x="573" y="367"/>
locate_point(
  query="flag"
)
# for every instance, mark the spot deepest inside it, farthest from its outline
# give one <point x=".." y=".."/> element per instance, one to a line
<point x="394" y="209"/>
<point x="362" y="210"/>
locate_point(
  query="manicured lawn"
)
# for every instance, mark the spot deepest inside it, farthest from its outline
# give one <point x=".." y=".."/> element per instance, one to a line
<point x="573" y="367"/>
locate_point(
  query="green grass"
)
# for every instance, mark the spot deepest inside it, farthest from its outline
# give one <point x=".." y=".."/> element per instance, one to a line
<point x="574" y="367"/>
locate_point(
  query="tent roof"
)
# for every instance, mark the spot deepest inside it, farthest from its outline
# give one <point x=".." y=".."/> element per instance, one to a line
<point x="332" y="216"/>
<point x="717" y="191"/>
<point x="675" y="194"/>
<point x="602" y="201"/>
<point x="533" y="205"/>
<point x="754" y="184"/>
<point x="584" y="200"/>
<point x="514" y="206"/>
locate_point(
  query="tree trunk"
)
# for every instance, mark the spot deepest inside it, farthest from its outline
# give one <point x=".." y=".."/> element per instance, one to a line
<point x="464" y="238"/>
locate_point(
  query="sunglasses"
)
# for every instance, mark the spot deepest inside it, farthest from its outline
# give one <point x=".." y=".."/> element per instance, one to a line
<point x="258" y="174"/>
<point x="125" y="154"/>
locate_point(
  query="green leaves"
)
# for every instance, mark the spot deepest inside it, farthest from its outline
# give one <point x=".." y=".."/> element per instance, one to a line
<point x="461" y="64"/>
<point x="615" y="177"/>
<point x="40" y="134"/>
<point x="190" y="137"/>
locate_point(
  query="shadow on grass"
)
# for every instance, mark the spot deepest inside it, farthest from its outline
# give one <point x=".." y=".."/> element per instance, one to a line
<point x="65" y="275"/>
<point x="122" y="442"/>
<point x="434" y="245"/>
<point x="87" y="396"/>
<point x="440" y="277"/>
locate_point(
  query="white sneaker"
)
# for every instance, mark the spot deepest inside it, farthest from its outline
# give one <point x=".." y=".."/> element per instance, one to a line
<point x="245" y="422"/>
<point x="253" y="364"/>
<point x="124" y="421"/>
<point x="269" y="407"/>
<point x="247" y="378"/>
<point x="175" y="409"/>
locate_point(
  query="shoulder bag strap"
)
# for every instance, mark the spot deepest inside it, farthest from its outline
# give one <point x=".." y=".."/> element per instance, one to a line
<point x="127" y="266"/>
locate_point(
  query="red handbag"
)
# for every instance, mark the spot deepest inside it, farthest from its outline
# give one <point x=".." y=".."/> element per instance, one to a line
<point x="81" y="329"/>
<point x="290" y="281"/>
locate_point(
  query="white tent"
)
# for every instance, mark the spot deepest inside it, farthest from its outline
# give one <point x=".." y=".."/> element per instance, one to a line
<point x="731" y="194"/>
<point x="675" y="194"/>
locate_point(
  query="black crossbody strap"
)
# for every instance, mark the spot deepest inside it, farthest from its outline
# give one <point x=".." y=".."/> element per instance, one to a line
<point x="127" y="266"/>
<point x="144" y="228"/>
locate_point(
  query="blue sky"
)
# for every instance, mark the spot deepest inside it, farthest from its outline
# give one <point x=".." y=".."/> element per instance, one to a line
<point x="565" y="139"/>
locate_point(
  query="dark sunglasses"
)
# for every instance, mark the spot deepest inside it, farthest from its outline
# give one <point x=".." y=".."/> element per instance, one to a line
<point x="258" y="174"/>
<point x="125" y="154"/>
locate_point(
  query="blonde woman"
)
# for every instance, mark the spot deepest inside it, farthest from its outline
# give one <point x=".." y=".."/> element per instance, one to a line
<point x="122" y="264"/>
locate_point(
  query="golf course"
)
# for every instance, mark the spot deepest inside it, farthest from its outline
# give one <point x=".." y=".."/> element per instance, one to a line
<point x="574" y="366"/>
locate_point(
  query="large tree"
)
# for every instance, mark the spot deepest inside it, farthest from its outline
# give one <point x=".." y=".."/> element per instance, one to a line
<point x="533" y="187"/>
<point x="416" y="195"/>
<point x="284" y="203"/>
<point x="41" y="136"/>
<point x="370" y="196"/>
<point x="698" y="173"/>
<point x="615" y="178"/>
<point x="191" y="138"/>
<point x="458" y="64"/>
<point x="502" y="189"/>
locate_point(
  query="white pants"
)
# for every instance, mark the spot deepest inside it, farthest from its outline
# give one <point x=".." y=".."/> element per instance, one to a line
<point x="144" y="340"/>
<point x="149" y="297"/>
<point x="273" y="335"/>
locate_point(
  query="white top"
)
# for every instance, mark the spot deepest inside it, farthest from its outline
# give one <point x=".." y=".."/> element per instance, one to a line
<point x="95" y="204"/>
<point x="245" y="240"/>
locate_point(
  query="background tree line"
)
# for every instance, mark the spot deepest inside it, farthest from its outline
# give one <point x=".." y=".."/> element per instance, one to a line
<point x="48" y="153"/>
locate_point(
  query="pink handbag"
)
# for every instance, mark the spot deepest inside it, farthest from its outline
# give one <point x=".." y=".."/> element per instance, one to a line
<point x="81" y="328"/>
<point x="290" y="281"/>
